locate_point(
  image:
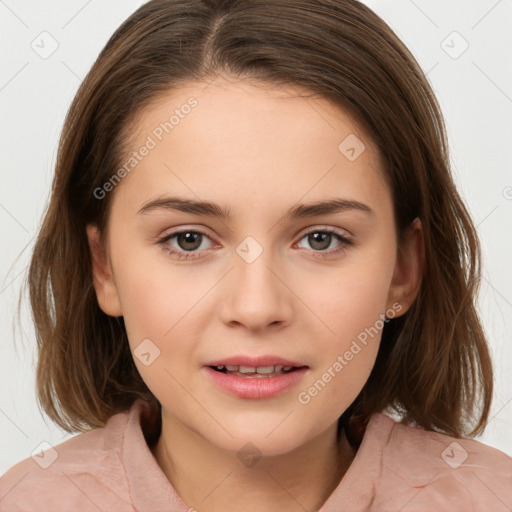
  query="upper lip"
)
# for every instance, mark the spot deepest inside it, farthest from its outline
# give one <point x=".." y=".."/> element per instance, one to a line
<point x="254" y="362"/>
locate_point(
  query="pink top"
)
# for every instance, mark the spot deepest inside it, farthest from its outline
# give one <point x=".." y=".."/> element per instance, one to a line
<point x="396" y="468"/>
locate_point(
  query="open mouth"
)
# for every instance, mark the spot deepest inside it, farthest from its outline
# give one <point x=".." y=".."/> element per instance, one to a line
<point x="255" y="372"/>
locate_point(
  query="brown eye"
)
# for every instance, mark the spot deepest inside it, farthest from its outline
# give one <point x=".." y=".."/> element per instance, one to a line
<point x="320" y="240"/>
<point x="187" y="244"/>
<point x="189" y="240"/>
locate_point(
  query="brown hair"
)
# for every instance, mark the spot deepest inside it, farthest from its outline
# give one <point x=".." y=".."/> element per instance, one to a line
<point x="433" y="365"/>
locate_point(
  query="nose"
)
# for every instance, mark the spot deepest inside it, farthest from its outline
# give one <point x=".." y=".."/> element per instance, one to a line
<point x="256" y="295"/>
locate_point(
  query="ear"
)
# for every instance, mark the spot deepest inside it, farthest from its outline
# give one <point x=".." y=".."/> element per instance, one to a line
<point x="407" y="277"/>
<point x="104" y="284"/>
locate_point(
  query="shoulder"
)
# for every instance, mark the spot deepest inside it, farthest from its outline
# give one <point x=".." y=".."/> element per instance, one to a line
<point x="83" y="473"/>
<point x="436" y="471"/>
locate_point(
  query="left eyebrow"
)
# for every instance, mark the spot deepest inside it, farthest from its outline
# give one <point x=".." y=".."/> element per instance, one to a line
<point x="327" y="207"/>
<point x="214" y="210"/>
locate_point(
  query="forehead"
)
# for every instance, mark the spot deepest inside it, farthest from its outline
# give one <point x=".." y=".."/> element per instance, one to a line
<point x="238" y="141"/>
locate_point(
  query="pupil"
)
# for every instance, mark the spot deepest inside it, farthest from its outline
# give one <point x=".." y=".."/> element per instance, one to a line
<point x="318" y="238"/>
<point x="189" y="238"/>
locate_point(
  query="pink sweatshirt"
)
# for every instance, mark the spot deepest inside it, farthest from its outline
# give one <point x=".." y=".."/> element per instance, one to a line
<point x="396" y="468"/>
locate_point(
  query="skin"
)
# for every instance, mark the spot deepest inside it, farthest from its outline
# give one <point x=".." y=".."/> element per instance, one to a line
<point x="259" y="151"/>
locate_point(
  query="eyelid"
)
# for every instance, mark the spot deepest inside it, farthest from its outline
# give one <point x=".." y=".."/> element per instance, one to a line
<point x="318" y="227"/>
<point x="342" y="232"/>
<point x="185" y="229"/>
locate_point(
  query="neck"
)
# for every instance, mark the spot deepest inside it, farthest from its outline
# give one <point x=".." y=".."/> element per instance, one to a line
<point x="211" y="479"/>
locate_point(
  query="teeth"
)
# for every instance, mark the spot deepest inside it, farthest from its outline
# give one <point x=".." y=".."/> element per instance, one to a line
<point x="262" y="370"/>
<point x="266" y="369"/>
<point x="244" y="369"/>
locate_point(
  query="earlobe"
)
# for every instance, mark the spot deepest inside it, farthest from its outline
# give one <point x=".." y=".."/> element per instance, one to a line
<point x="104" y="284"/>
<point x="408" y="274"/>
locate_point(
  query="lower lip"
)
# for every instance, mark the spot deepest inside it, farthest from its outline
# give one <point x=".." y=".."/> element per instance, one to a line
<point x="256" y="387"/>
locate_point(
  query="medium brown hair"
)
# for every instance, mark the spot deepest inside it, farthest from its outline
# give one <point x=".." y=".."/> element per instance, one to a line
<point x="433" y="365"/>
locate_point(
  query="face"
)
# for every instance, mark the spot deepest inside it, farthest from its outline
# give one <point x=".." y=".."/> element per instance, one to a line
<point x="273" y="280"/>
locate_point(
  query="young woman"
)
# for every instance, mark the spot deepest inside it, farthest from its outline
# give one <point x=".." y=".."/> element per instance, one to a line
<point x="254" y="286"/>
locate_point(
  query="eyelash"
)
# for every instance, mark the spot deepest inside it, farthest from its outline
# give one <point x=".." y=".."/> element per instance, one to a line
<point x="183" y="255"/>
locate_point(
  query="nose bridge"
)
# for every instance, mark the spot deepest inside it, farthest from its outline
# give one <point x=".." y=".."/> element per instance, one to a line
<point x="257" y="297"/>
<point x="252" y="266"/>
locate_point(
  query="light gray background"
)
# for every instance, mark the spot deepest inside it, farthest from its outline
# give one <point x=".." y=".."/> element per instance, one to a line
<point x="474" y="89"/>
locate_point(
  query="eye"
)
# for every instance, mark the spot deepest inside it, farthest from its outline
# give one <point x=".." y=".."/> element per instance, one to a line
<point x="321" y="239"/>
<point x="187" y="240"/>
<point x="188" y="243"/>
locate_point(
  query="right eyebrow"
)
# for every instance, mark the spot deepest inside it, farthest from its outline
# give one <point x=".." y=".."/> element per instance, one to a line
<point x="187" y="206"/>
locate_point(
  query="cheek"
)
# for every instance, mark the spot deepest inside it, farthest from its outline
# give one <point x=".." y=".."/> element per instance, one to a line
<point x="158" y="311"/>
<point x="351" y="304"/>
<point x="165" y="303"/>
<point x="148" y="303"/>
<point x="346" y="352"/>
<point x="351" y="298"/>
<point x="156" y="294"/>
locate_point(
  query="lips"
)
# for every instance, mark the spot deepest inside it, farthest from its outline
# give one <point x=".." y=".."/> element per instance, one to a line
<point x="255" y="385"/>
